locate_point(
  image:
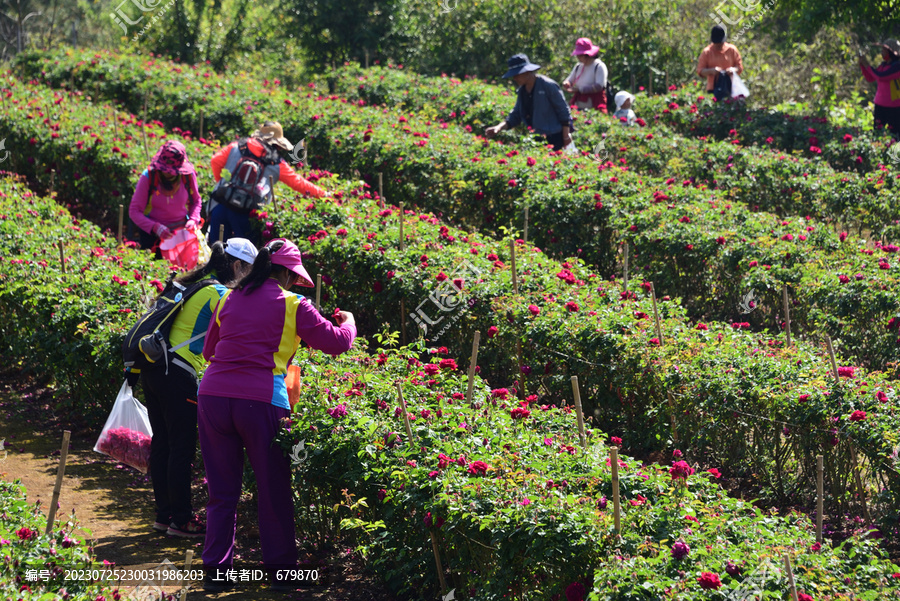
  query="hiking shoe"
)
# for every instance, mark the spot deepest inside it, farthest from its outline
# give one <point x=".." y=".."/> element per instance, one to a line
<point x="161" y="526"/>
<point x="192" y="529"/>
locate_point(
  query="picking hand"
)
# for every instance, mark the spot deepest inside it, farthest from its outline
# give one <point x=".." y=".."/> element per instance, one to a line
<point x="191" y="224"/>
<point x="162" y="231"/>
<point x="342" y="317"/>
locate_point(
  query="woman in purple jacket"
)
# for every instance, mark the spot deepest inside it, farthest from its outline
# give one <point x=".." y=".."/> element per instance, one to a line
<point x="253" y="335"/>
<point x="166" y="196"/>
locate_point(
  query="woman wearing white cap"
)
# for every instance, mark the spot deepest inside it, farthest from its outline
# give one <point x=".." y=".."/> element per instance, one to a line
<point x="170" y="388"/>
<point x="253" y="336"/>
<point x="887" y="96"/>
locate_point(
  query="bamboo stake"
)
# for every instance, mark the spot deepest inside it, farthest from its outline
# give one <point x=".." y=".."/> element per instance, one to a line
<point x="790" y="575"/>
<point x="837" y="378"/>
<point x="820" y="468"/>
<point x="402" y="239"/>
<point x="62" y="256"/>
<point x="525" y="238"/>
<point x="472" y="363"/>
<point x="787" y="314"/>
<point x="614" y="463"/>
<point x="437" y="561"/>
<point x="578" y="414"/>
<point x="121" y="223"/>
<point x="405" y="413"/>
<point x="625" y="270"/>
<point x="512" y="255"/>
<point x="403" y="319"/>
<point x="61" y="471"/>
<point x="272" y="190"/>
<point x="188" y="560"/>
<point x="859" y="486"/>
<point x="655" y="313"/>
<point x="672" y="416"/>
<point x="318" y="291"/>
<point x="201" y="124"/>
<point x="221" y="232"/>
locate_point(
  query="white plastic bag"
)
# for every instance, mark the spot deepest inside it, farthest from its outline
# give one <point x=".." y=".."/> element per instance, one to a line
<point x="738" y="87"/>
<point x="570" y="149"/>
<point x="127" y="433"/>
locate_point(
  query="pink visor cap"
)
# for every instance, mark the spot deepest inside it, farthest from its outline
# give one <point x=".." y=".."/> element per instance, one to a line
<point x="289" y="256"/>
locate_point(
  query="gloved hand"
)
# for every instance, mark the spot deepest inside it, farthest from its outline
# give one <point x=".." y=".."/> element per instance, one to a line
<point x="162" y="231"/>
<point x="191" y="225"/>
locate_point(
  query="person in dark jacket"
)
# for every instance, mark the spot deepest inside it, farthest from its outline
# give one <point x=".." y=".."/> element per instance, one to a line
<point x="540" y="104"/>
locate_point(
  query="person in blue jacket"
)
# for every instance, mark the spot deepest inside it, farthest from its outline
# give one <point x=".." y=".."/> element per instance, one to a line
<point x="540" y="104"/>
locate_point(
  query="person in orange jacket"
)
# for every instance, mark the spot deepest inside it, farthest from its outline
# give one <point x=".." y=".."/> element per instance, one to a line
<point x="251" y="162"/>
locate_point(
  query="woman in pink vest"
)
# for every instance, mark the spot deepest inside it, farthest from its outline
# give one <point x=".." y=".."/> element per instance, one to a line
<point x="253" y="335"/>
<point x="166" y="196"/>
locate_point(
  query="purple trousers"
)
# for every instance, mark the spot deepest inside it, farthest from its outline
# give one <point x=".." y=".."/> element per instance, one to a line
<point x="227" y="426"/>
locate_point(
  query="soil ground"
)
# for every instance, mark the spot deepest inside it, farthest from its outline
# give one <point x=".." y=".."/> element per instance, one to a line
<point x="113" y="504"/>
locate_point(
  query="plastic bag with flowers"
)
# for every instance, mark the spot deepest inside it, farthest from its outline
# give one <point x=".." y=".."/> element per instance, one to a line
<point x="127" y="433"/>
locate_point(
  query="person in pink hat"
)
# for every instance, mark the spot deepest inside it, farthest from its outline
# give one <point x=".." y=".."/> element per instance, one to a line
<point x="253" y="335"/>
<point x="587" y="81"/>
<point x="166" y="196"/>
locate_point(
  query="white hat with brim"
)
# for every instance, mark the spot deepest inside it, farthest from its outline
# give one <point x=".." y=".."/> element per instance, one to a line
<point x="241" y="248"/>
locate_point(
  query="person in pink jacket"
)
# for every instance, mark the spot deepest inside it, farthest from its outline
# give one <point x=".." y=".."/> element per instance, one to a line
<point x="166" y="196"/>
<point x="887" y="96"/>
<point x="253" y="335"/>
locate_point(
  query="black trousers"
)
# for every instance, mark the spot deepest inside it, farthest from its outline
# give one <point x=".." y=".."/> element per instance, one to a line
<point x="555" y="139"/>
<point x="172" y="409"/>
<point x="887" y="116"/>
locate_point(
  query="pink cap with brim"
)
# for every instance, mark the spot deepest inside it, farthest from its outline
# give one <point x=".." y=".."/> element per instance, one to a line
<point x="289" y="256"/>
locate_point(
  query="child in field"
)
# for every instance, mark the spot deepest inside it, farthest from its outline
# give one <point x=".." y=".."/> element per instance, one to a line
<point x="623" y="113"/>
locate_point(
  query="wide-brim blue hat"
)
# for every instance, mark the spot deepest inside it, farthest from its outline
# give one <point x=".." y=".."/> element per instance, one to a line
<point x="519" y="63"/>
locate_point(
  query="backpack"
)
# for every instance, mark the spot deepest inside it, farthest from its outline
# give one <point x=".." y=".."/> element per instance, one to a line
<point x="247" y="189"/>
<point x="722" y="89"/>
<point x="147" y="340"/>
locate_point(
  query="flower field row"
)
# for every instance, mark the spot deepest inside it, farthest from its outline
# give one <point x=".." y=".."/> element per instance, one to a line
<point x="69" y="324"/>
<point x="470" y="511"/>
<point x="518" y="508"/>
<point x="24" y="546"/>
<point x="679" y="236"/>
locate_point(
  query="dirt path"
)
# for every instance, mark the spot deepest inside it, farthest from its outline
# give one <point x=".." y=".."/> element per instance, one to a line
<point x="113" y="504"/>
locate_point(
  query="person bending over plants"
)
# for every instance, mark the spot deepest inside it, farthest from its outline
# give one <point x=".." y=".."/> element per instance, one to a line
<point x="253" y="165"/>
<point x="540" y="104"/>
<point x="166" y="196"/>
<point x="170" y="388"/>
<point x="253" y="335"/>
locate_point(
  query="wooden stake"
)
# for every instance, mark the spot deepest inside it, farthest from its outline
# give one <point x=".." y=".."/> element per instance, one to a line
<point x="403" y="320"/>
<point x="614" y="463"/>
<point x="318" y="291"/>
<point x="859" y="486"/>
<point x="188" y="560"/>
<point x="820" y="504"/>
<point x="655" y="313"/>
<point x="578" y="414"/>
<point x="144" y="136"/>
<point x="650" y="84"/>
<point x="672" y="416"/>
<point x="60" y="472"/>
<point x="402" y="239"/>
<point x="272" y="191"/>
<point x="525" y="237"/>
<point x="221" y="232"/>
<point x="437" y="561"/>
<point x="521" y="374"/>
<point x="62" y="257"/>
<point x="512" y="255"/>
<point x="380" y="185"/>
<point x="405" y="413"/>
<point x="121" y="223"/>
<point x="790" y="575"/>
<point x="667" y="81"/>
<point x="837" y="378"/>
<point x="787" y="315"/>
<point x="115" y="124"/>
<point x="625" y="268"/>
<point x="201" y="124"/>
<point x="472" y="363"/>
